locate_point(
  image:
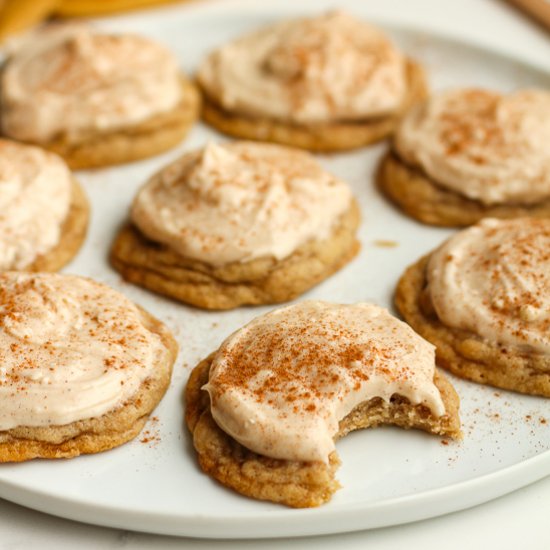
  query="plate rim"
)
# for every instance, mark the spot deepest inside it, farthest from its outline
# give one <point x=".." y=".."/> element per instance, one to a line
<point x="298" y="522"/>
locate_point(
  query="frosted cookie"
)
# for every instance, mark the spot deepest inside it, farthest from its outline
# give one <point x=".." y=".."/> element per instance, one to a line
<point x="265" y="409"/>
<point x="95" y="99"/>
<point x="236" y="224"/>
<point x="82" y="367"/>
<point x="468" y="154"/>
<point x="326" y="83"/>
<point x="483" y="298"/>
<point x="43" y="210"/>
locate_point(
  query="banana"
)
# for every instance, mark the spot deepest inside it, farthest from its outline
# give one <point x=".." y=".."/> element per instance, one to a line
<point x="18" y="15"/>
<point x="87" y="8"/>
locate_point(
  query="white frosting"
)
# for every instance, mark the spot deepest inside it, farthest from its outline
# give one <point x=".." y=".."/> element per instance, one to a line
<point x="35" y="197"/>
<point x="237" y="202"/>
<point x="281" y="384"/>
<point x="70" y="349"/>
<point x="483" y="145"/>
<point x="493" y="279"/>
<point x="331" y="67"/>
<point x="71" y="81"/>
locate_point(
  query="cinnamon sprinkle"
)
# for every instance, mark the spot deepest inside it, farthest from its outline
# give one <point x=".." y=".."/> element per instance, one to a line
<point x="313" y="356"/>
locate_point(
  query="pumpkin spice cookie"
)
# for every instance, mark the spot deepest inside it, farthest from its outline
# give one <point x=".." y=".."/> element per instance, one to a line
<point x="265" y="409"/>
<point x="95" y="99"/>
<point x="82" y="366"/>
<point x="43" y="210"/>
<point x="468" y="154"/>
<point x="237" y="224"/>
<point x="482" y="299"/>
<point x="328" y="83"/>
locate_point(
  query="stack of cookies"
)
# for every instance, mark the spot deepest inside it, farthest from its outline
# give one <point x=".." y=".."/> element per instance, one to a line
<point x="259" y="221"/>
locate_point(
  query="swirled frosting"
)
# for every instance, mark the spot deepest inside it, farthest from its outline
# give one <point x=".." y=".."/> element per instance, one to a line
<point x="281" y="384"/>
<point x="71" y="81"/>
<point x="493" y="279"/>
<point x="70" y="349"/>
<point x="35" y="197"/>
<point x="331" y="67"/>
<point x="238" y="202"/>
<point x="481" y="144"/>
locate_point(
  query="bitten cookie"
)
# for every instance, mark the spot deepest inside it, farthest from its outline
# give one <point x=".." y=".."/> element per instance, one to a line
<point x="43" y="210"/>
<point x="328" y="83"/>
<point x="82" y="367"/>
<point x="468" y="154"/>
<point x="237" y="224"/>
<point x="265" y="409"/>
<point x="482" y="299"/>
<point x="95" y="99"/>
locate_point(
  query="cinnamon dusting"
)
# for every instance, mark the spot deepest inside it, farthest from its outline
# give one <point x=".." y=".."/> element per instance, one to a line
<point x="307" y="365"/>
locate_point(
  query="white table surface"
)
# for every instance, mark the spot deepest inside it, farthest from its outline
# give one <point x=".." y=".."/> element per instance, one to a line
<point x="520" y="520"/>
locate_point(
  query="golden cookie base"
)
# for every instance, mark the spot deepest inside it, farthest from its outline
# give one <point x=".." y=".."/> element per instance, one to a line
<point x="462" y="352"/>
<point x="261" y="281"/>
<point x="98" y="434"/>
<point x="73" y="233"/>
<point x="424" y="200"/>
<point x="339" y="136"/>
<point x="150" y="138"/>
<point x="293" y="483"/>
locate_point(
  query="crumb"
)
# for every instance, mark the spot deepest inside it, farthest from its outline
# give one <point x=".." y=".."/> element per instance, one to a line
<point x="150" y="434"/>
<point x="382" y="243"/>
<point x="150" y="437"/>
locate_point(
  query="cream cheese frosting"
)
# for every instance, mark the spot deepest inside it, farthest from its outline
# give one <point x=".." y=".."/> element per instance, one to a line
<point x="481" y="144"/>
<point x="493" y="279"/>
<point x="35" y="197"/>
<point x="327" y="68"/>
<point x="240" y="201"/>
<point x="70" y="81"/>
<point x="281" y="384"/>
<point x="70" y="349"/>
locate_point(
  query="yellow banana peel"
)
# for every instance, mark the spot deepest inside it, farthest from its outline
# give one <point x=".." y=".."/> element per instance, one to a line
<point x="19" y="15"/>
<point x="87" y="8"/>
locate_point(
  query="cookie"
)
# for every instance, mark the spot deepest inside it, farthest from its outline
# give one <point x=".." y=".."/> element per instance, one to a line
<point x="44" y="210"/>
<point x="82" y="367"/>
<point x="424" y="200"/>
<point x="262" y="281"/>
<point x="500" y="339"/>
<point x="280" y="413"/>
<point x="288" y="84"/>
<point x="96" y="99"/>
<point x="227" y="226"/>
<point x="469" y="154"/>
<point x="73" y="233"/>
<point x="322" y="137"/>
<point x="147" y="139"/>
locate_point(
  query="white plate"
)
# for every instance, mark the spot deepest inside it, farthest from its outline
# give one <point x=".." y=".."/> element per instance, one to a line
<point x="389" y="476"/>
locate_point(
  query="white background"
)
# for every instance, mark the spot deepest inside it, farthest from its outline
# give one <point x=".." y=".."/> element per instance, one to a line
<point x="519" y="520"/>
